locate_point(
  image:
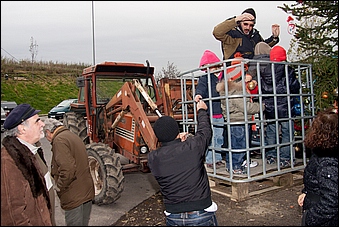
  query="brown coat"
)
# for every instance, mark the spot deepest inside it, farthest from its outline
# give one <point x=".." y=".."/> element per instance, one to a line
<point x="230" y="44"/>
<point x="24" y="196"/>
<point x="70" y="169"/>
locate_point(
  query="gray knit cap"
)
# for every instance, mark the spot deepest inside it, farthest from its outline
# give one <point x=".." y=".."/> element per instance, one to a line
<point x="262" y="48"/>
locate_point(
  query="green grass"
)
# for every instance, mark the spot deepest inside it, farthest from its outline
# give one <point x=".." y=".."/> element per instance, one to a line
<point x="50" y="84"/>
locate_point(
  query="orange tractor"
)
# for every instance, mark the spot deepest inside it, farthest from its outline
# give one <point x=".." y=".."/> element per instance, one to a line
<point x="117" y="104"/>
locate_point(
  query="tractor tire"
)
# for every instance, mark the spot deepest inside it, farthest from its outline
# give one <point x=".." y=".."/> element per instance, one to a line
<point x="82" y="127"/>
<point x="76" y="123"/>
<point x="69" y="121"/>
<point x="106" y="171"/>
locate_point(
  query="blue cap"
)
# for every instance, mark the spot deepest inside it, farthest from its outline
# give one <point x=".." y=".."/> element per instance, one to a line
<point x="19" y="114"/>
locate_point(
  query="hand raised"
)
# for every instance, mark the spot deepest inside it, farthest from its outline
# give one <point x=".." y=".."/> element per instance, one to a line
<point x="275" y="30"/>
<point x="244" y="17"/>
<point x="201" y="105"/>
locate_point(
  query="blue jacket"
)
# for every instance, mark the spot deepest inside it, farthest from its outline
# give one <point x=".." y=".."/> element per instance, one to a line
<point x="281" y="88"/>
<point x="202" y="89"/>
<point x="252" y="66"/>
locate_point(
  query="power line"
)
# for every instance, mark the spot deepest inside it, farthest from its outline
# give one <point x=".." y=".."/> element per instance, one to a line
<point x="10" y="54"/>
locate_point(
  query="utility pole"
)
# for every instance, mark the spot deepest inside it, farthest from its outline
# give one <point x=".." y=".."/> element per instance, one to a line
<point x="93" y="33"/>
<point x="33" y="48"/>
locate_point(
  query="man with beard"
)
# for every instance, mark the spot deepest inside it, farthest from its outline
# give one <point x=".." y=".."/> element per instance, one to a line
<point x="237" y="34"/>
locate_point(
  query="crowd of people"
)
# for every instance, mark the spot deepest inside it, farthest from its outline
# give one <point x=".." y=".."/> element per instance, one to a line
<point x="240" y="40"/>
<point x="28" y="187"/>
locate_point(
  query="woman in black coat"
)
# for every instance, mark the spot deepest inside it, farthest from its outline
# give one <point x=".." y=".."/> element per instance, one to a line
<point x="319" y="197"/>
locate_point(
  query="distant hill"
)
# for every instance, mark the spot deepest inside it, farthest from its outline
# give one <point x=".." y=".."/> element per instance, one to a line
<point x="42" y="84"/>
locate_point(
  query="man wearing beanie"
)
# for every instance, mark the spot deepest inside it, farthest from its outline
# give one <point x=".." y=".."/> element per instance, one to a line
<point x="282" y="107"/>
<point x="237" y="34"/>
<point x="178" y="167"/>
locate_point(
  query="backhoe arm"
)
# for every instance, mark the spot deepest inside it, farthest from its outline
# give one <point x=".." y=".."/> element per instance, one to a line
<point x="129" y="102"/>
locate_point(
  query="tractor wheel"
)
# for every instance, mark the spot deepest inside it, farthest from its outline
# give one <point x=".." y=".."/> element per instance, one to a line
<point x="76" y="123"/>
<point x="69" y="121"/>
<point x="106" y="171"/>
<point x="82" y="129"/>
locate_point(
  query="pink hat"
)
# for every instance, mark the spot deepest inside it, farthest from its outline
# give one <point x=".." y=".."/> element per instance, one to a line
<point x="208" y="58"/>
<point x="278" y="53"/>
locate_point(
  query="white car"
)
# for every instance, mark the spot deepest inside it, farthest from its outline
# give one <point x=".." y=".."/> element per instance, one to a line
<point x="8" y="106"/>
<point x="3" y="118"/>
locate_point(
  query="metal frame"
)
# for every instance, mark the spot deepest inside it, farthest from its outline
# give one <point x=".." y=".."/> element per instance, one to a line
<point x="263" y="171"/>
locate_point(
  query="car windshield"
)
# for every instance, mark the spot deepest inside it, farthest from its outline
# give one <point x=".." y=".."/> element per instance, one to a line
<point x="8" y="105"/>
<point x="64" y="103"/>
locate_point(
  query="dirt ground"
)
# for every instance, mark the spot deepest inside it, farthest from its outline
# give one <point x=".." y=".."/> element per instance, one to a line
<point x="272" y="208"/>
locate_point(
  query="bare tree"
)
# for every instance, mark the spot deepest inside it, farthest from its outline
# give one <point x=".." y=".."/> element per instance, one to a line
<point x="170" y="72"/>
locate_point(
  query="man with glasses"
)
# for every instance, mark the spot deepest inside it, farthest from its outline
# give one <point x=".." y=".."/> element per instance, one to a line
<point x="237" y="34"/>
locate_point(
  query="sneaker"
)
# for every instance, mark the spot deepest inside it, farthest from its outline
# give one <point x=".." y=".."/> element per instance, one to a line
<point x="271" y="160"/>
<point x="238" y="171"/>
<point x="252" y="164"/>
<point x="285" y="163"/>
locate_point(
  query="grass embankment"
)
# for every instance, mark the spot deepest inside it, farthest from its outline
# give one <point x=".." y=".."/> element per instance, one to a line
<point x="43" y="86"/>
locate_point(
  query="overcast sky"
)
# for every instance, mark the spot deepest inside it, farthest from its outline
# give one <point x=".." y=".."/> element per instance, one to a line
<point x="158" y="31"/>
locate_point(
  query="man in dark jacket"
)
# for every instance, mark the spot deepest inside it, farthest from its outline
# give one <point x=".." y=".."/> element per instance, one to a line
<point x="178" y="166"/>
<point x="274" y="84"/>
<point x="27" y="195"/>
<point x="70" y="170"/>
<point x="237" y="34"/>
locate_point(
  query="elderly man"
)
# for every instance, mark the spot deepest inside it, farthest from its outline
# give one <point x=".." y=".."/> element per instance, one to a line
<point x="70" y="170"/>
<point x="27" y="195"/>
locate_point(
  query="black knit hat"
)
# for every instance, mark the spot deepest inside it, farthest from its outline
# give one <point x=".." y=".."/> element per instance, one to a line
<point x="250" y="11"/>
<point x="166" y="129"/>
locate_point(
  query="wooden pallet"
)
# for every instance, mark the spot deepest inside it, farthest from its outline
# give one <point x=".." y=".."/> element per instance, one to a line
<point x="239" y="191"/>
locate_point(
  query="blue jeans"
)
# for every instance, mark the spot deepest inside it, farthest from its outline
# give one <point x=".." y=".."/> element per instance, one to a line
<point x="271" y="139"/>
<point x="80" y="215"/>
<point x="238" y="141"/>
<point x="193" y="218"/>
<point x="218" y="141"/>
